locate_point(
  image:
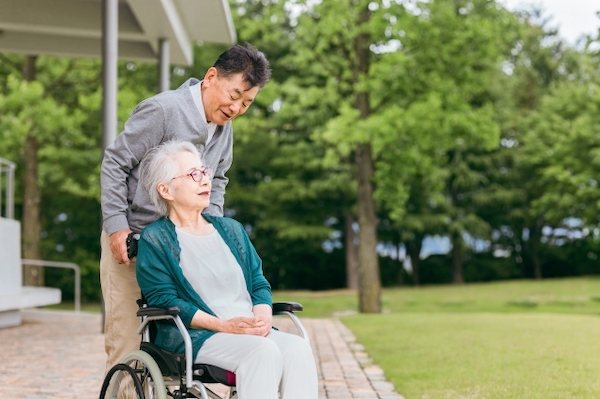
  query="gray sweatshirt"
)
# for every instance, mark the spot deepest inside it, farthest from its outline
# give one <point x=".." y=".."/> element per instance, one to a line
<point x="163" y="117"/>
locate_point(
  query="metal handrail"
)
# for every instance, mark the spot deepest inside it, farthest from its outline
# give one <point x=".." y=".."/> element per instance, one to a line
<point x="66" y="265"/>
<point x="8" y="167"/>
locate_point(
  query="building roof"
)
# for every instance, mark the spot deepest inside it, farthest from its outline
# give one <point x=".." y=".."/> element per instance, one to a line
<point x="73" y="28"/>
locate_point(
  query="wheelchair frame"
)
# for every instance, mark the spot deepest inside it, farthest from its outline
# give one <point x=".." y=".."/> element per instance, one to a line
<point x="188" y="385"/>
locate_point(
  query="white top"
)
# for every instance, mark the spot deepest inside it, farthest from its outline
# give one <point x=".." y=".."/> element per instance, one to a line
<point x="212" y="270"/>
<point x="196" y="91"/>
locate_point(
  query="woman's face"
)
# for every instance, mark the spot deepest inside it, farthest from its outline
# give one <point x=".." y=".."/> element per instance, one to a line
<point x="185" y="192"/>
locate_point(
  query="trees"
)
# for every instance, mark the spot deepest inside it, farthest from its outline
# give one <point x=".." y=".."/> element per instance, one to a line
<point x="561" y="145"/>
<point x="537" y="63"/>
<point x="408" y="101"/>
<point x="39" y="127"/>
<point x="451" y="55"/>
<point x="428" y="118"/>
<point x="50" y="126"/>
<point x="332" y="52"/>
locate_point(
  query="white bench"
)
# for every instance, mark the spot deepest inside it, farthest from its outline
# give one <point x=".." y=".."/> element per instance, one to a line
<point x="13" y="295"/>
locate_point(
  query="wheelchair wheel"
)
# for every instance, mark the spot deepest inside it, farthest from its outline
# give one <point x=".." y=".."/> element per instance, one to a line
<point x="121" y="381"/>
<point x="136" y="377"/>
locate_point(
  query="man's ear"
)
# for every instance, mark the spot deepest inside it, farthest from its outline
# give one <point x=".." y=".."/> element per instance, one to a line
<point x="165" y="191"/>
<point x="210" y="76"/>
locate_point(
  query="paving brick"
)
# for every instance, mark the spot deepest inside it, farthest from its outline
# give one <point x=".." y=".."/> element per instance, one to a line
<point x="60" y="355"/>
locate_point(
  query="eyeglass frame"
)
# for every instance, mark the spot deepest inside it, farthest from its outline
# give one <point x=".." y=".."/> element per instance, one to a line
<point x="208" y="172"/>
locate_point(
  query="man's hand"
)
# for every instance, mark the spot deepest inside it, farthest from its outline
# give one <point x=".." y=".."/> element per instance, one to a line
<point x="118" y="246"/>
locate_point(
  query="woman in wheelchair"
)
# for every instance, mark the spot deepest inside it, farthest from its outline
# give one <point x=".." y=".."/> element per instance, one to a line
<point x="208" y="268"/>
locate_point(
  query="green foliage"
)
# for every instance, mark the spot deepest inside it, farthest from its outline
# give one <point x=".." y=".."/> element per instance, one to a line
<point x="483" y="127"/>
<point x="71" y="234"/>
<point x="61" y="109"/>
<point x="562" y="143"/>
<point x="58" y="109"/>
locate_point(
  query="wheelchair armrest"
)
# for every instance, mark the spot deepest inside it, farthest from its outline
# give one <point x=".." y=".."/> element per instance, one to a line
<point x="288" y="309"/>
<point x="280" y="307"/>
<point x="151" y="311"/>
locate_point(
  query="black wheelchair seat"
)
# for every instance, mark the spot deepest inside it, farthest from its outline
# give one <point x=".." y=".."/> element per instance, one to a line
<point x="173" y="365"/>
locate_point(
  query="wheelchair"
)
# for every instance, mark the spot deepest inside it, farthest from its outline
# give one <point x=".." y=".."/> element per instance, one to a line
<point x="154" y="373"/>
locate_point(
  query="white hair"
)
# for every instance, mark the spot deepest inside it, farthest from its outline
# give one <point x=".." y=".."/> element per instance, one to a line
<point x="160" y="166"/>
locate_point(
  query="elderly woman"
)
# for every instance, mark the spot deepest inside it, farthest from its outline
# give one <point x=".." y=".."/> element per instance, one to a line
<point x="207" y="267"/>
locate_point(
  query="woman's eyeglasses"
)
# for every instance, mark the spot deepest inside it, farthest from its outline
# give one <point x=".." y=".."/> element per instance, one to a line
<point x="197" y="174"/>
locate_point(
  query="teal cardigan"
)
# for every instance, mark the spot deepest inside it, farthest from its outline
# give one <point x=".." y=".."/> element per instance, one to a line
<point x="163" y="285"/>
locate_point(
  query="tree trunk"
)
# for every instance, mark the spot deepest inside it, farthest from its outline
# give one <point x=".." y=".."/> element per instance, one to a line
<point x="534" y="244"/>
<point x="457" y="272"/>
<point x="369" y="280"/>
<point x="369" y="283"/>
<point x="351" y="253"/>
<point x="32" y="275"/>
<point x="413" y="248"/>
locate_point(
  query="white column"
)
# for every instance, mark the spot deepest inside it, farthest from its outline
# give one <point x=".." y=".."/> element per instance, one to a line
<point x="164" y="65"/>
<point x="110" y="50"/>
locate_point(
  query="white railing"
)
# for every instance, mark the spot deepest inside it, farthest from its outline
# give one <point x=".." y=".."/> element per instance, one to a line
<point x="66" y="265"/>
<point x="7" y="180"/>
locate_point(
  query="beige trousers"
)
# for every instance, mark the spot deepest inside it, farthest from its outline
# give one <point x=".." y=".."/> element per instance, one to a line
<point x="120" y="292"/>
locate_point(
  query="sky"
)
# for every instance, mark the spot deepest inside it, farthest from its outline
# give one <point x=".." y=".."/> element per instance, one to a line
<point x="572" y="17"/>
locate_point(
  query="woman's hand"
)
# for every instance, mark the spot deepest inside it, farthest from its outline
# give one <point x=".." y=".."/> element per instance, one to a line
<point x="264" y="316"/>
<point x="260" y="324"/>
<point x="247" y="325"/>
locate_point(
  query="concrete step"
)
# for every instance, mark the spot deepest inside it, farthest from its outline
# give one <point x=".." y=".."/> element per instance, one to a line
<point x="12" y="302"/>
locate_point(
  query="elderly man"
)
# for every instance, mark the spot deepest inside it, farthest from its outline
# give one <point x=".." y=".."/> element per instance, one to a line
<point x="200" y="112"/>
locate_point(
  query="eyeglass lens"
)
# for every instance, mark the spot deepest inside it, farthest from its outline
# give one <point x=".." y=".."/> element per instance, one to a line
<point x="198" y="173"/>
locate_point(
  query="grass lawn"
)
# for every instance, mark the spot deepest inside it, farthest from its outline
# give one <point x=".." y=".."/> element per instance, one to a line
<point x="484" y="355"/>
<point x="516" y="339"/>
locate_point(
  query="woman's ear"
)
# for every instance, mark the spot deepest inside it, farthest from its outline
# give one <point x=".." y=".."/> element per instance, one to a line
<point x="165" y="191"/>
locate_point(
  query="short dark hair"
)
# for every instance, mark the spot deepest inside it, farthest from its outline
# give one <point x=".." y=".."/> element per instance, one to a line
<point x="248" y="61"/>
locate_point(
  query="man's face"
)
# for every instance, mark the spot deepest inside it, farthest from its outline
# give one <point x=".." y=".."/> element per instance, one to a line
<point x="225" y="98"/>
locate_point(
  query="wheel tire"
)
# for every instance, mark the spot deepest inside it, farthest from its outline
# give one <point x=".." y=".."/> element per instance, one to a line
<point x="119" y="384"/>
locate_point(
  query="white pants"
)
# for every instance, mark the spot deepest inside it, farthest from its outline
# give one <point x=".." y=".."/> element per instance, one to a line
<point x="279" y="362"/>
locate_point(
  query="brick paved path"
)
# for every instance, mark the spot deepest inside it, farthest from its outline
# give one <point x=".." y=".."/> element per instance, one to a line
<point x="60" y="355"/>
